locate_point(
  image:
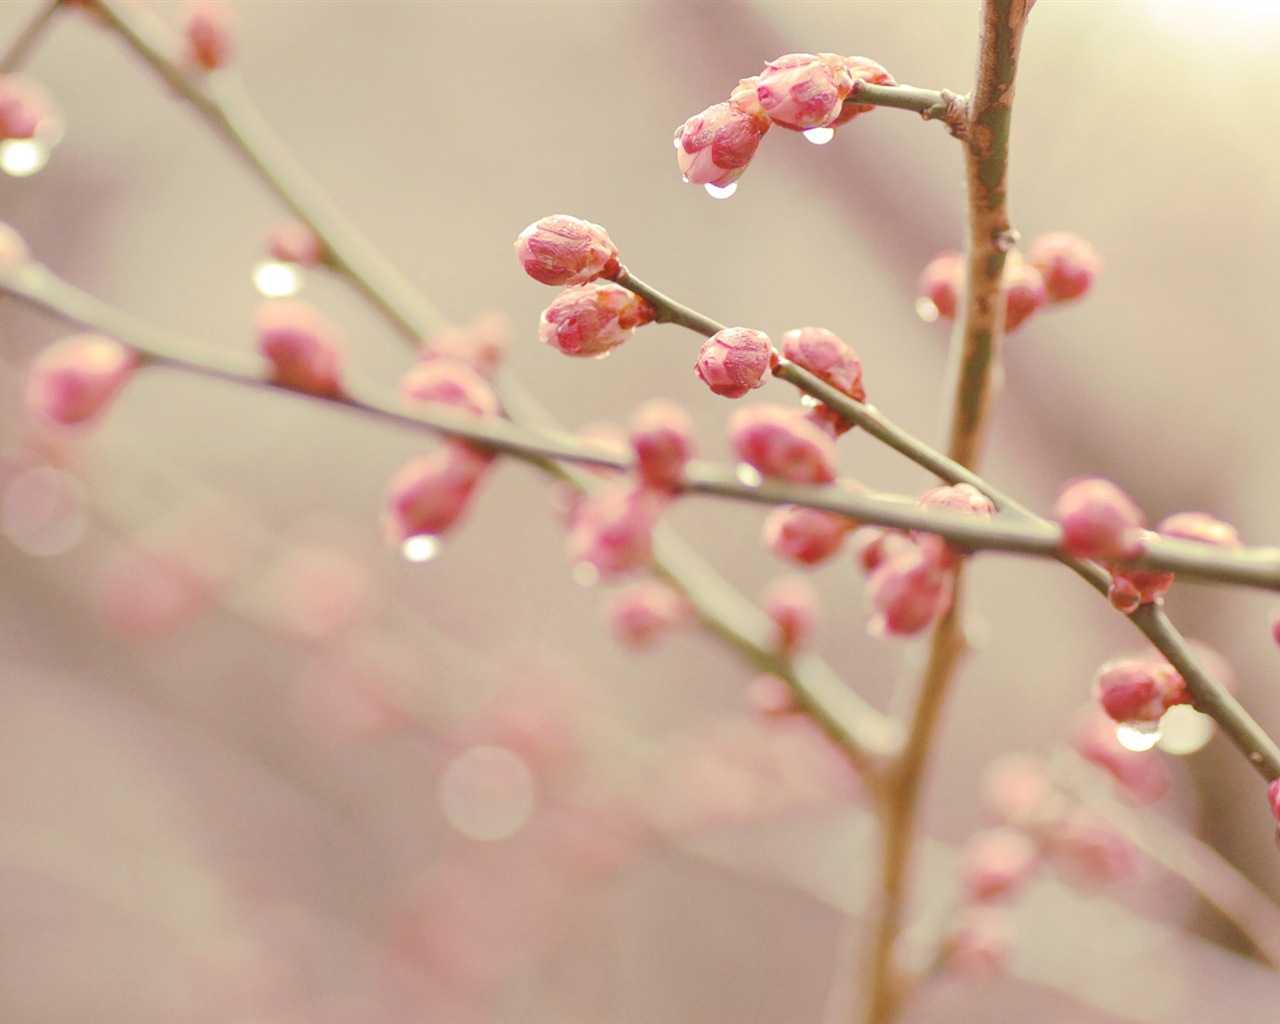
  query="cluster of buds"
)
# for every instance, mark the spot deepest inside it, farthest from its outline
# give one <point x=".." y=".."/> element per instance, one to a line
<point x="803" y="92"/>
<point x="1100" y="521"/>
<point x="1057" y="267"/>
<point x="592" y="316"/>
<point x="911" y="577"/>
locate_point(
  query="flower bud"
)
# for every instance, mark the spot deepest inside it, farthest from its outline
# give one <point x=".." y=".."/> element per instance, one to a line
<point x="1201" y="528"/>
<point x="301" y="344"/>
<point x="209" y="29"/>
<point x="592" y="319"/>
<point x="612" y="530"/>
<point x="805" y="536"/>
<point x="1131" y="586"/>
<point x="480" y="344"/>
<point x="1273" y="797"/>
<point x="13" y="249"/>
<point x="662" y="439"/>
<point x="1020" y="791"/>
<point x="1067" y="263"/>
<point x="715" y="146"/>
<point x="452" y="383"/>
<point x="1137" y="690"/>
<point x="980" y="943"/>
<point x="1086" y="851"/>
<point x="961" y="498"/>
<point x="863" y="70"/>
<point x="431" y="492"/>
<point x="1145" y="778"/>
<point x="1024" y="291"/>
<point x="939" y="287"/>
<point x="782" y="444"/>
<point x="1098" y="520"/>
<point x="792" y="604"/>
<point x="291" y="241"/>
<point x="638" y="613"/>
<point x="24" y="108"/>
<point x="564" y="250"/>
<point x="735" y="361"/>
<point x="73" y="381"/>
<point x="909" y="590"/>
<point x="827" y="357"/>
<point x="804" y="90"/>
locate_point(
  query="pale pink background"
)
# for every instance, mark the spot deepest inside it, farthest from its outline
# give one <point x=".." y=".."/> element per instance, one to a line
<point x="152" y="792"/>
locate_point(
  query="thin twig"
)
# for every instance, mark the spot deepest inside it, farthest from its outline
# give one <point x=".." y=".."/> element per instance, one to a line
<point x="20" y="49"/>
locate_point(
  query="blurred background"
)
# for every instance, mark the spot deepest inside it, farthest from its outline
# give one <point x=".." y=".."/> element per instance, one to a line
<point x="268" y="804"/>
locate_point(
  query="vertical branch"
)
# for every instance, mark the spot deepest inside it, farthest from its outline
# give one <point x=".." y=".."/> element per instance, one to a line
<point x="973" y="379"/>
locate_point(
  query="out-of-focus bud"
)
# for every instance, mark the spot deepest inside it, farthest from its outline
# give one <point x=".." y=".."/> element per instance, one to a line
<point x="301" y="344"/>
<point x="73" y="381"/>
<point x="208" y="26"/>
<point x="1067" y="263"/>
<point x="782" y="445"/>
<point x="805" y="536"/>
<point x="1098" y="520"/>
<point x="662" y="439"/>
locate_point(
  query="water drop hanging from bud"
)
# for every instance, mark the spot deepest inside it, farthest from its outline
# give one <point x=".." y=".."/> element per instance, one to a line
<point x="277" y="280"/>
<point x="819" y="136"/>
<point x="926" y="310"/>
<point x="585" y="574"/>
<point x="421" y="547"/>
<point x="721" y="192"/>
<point x="1184" y="730"/>
<point x="1138" y="736"/>
<point x="748" y="475"/>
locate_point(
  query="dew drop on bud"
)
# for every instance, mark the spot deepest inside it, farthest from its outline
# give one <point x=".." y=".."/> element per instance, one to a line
<point x="926" y="310"/>
<point x="421" y="547"/>
<point x="719" y="192"/>
<point x="819" y="136"/>
<point x="1184" y="730"/>
<point x="277" y="280"/>
<point x="748" y="475"/>
<point x="1138" y="736"/>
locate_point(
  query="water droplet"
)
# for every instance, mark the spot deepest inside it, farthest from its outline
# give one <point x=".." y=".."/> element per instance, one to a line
<point x="1138" y="736"/>
<point x="819" y="136"/>
<point x="584" y="574"/>
<point x="684" y="178"/>
<point x="487" y="793"/>
<point x="420" y="548"/>
<point x="1184" y="730"/>
<point x="43" y="511"/>
<point x="809" y="402"/>
<point x="721" y="191"/>
<point x="926" y="310"/>
<point x="276" y="280"/>
<point x="748" y="475"/>
<point x="676" y="142"/>
<point x="20" y="158"/>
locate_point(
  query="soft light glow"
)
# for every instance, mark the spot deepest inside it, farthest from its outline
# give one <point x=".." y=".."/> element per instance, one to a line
<point x="20" y="158"/>
<point x="721" y="192"/>
<point x="421" y="548"/>
<point x="1255" y="21"/>
<point x="926" y="310"/>
<point x="1138" y="736"/>
<point x="277" y="280"/>
<point x="748" y="475"/>
<point x="585" y="574"/>
<point x="487" y="793"/>
<point x="819" y="136"/>
<point x="43" y="511"/>
<point x="1184" y="730"/>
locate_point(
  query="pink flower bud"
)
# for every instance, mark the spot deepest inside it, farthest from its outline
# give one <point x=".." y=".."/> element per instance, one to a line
<point x="1135" y="690"/>
<point x="1024" y="292"/>
<point x="209" y="29"/>
<point x="638" y="613"/>
<point x="1019" y="790"/>
<point x="291" y="241"/>
<point x="715" y="146"/>
<point x="1273" y="797"/>
<point x="1132" y="587"/>
<point x="963" y="498"/>
<point x="872" y="545"/>
<point x="782" y="444"/>
<point x="1200" y="527"/>
<point x="612" y="530"/>
<point x="1094" y="738"/>
<point x="804" y="90"/>
<point x="302" y="345"/>
<point x="74" y="380"/>
<point x="940" y="285"/>
<point x="735" y="361"/>
<point x="564" y="250"/>
<point x="792" y="603"/>
<point x="997" y="863"/>
<point x="805" y="536"/>
<point x="431" y="492"/>
<point x="1087" y="852"/>
<point x="863" y="70"/>
<point x="826" y="356"/>
<point x="980" y="944"/>
<point x="1067" y="262"/>
<point x="910" y="590"/>
<point x="662" y="439"/>
<point x="592" y="319"/>
<point x="452" y="383"/>
<point x="1098" y="520"/>
<point x="770" y="696"/>
<point x="24" y="107"/>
